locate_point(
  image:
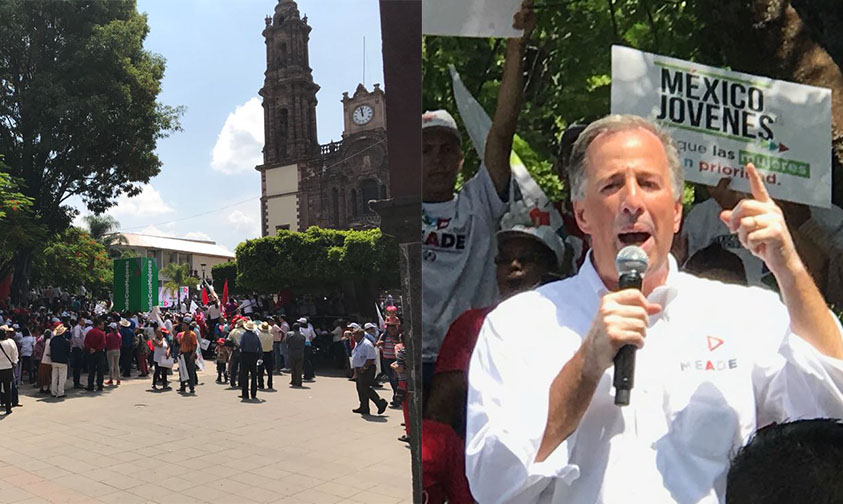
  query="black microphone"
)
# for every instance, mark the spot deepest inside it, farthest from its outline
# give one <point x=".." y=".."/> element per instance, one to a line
<point x="631" y="263"/>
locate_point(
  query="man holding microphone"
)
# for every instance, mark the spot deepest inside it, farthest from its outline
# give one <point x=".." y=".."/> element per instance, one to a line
<point x="714" y="361"/>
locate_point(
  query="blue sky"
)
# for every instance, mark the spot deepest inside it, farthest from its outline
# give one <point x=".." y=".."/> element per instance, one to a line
<point x="215" y="63"/>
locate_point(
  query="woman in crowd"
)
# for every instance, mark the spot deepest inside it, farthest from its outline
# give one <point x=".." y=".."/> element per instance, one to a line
<point x="45" y="367"/>
<point x="161" y="352"/>
<point x="113" y="341"/>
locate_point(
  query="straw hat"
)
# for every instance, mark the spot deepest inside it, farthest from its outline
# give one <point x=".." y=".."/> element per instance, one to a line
<point x="58" y="331"/>
<point x="249" y="326"/>
<point x="125" y="323"/>
<point x="264" y="326"/>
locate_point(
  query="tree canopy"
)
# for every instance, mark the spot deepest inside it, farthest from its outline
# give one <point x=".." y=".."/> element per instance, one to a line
<point x="315" y="260"/>
<point x="79" y="114"/>
<point x="567" y="65"/>
<point x="72" y="259"/>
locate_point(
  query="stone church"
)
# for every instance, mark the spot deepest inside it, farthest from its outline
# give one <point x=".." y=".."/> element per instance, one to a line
<point x="304" y="183"/>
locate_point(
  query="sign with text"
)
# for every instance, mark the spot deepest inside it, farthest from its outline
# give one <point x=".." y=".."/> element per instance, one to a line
<point x="470" y="18"/>
<point x="722" y="120"/>
<point x="135" y="284"/>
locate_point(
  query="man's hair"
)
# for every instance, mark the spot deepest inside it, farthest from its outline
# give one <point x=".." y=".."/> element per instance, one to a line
<point x="798" y="461"/>
<point x="613" y="124"/>
<point x="296" y="326"/>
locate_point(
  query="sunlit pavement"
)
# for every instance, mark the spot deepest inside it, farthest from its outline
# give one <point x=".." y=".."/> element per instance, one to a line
<point x="130" y="444"/>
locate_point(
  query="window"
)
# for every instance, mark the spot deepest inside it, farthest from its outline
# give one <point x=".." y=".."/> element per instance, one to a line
<point x="368" y="191"/>
<point x="352" y="203"/>
<point x="282" y="226"/>
<point x="335" y="198"/>
<point x="281" y="146"/>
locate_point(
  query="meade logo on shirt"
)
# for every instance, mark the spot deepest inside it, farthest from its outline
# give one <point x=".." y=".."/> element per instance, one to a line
<point x="437" y="234"/>
<point x="712" y="343"/>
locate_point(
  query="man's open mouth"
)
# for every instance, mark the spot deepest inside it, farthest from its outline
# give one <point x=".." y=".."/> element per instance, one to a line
<point x="633" y="238"/>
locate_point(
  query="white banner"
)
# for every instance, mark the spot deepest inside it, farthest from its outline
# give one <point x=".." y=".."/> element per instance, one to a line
<point x="470" y="18"/>
<point x="722" y="120"/>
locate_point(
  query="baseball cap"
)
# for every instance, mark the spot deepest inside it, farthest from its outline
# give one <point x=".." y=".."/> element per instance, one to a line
<point x="353" y="325"/>
<point x="441" y="119"/>
<point x="302" y="320"/>
<point x="369" y="325"/>
<point x="542" y="234"/>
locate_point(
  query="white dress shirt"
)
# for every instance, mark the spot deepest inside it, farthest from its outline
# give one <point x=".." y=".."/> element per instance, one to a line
<point x="363" y="351"/>
<point x="719" y="362"/>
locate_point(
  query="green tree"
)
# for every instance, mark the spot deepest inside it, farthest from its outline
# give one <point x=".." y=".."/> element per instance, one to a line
<point x="222" y="272"/>
<point x="104" y="229"/>
<point x="567" y="69"/>
<point x="73" y="259"/>
<point x="178" y="275"/>
<point x="78" y="109"/>
<point x="316" y="260"/>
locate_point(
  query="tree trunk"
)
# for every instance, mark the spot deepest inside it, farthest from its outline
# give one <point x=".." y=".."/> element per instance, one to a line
<point x="768" y="37"/>
<point x="19" y="290"/>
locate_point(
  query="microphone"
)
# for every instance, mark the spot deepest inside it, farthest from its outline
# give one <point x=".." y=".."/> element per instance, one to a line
<point x="631" y="263"/>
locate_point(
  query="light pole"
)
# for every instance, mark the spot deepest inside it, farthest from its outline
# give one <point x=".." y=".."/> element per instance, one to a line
<point x="203" y="270"/>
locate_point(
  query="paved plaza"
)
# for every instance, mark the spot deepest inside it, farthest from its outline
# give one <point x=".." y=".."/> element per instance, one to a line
<point x="130" y="444"/>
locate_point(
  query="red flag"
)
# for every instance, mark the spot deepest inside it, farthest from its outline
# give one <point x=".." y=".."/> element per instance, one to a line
<point x="204" y="297"/>
<point x="225" y="292"/>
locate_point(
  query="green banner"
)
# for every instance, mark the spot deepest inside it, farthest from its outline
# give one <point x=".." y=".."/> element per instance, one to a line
<point x="135" y="284"/>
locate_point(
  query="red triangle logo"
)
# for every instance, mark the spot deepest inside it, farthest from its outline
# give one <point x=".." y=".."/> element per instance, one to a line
<point x="713" y="342"/>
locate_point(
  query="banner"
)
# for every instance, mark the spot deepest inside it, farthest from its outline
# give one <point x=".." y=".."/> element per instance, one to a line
<point x="722" y="120"/>
<point x="470" y="18"/>
<point x="135" y="285"/>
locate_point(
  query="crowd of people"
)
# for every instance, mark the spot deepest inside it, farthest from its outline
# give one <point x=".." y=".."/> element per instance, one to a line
<point x="46" y="347"/>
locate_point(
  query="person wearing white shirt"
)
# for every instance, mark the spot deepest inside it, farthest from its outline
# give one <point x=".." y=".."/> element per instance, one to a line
<point x="309" y="335"/>
<point x="363" y="361"/>
<point x="719" y="360"/>
<point x="8" y="361"/>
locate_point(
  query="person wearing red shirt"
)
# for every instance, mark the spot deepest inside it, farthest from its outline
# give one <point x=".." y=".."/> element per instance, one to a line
<point x="95" y="346"/>
<point x="527" y="257"/>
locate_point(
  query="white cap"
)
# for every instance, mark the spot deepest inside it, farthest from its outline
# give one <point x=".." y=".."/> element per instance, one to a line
<point x="441" y="119"/>
<point x="543" y="234"/>
<point x="369" y="325"/>
<point x="302" y="320"/>
<point x="55" y="319"/>
<point x="113" y="325"/>
<point x="188" y="319"/>
<point x="353" y="325"/>
<point x="16" y="326"/>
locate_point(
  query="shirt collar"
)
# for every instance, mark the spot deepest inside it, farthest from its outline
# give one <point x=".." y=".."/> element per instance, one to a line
<point x="662" y="294"/>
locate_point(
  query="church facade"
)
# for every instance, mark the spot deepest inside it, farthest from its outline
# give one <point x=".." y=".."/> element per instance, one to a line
<point x="304" y="183"/>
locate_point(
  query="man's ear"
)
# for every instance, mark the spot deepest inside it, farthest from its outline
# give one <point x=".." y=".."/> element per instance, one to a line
<point x="582" y="218"/>
<point x="677" y="215"/>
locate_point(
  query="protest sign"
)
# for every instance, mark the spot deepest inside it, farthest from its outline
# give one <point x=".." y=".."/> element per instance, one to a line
<point x="135" y="284"/>
<point x="722" y="120"/>
<point x="470" y="18"/>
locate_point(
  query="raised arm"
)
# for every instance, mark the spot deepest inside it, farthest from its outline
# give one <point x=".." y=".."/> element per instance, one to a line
<point x="510" y="95"/>
<point x="761" y="227"/>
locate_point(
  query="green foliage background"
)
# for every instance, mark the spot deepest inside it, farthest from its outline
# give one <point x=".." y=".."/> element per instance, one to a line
<point x="71" y="259"/>
<point x="314" y="261"/>
<point x="567" y="69"/>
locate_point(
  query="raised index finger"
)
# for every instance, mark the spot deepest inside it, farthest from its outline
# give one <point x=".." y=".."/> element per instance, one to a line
<point x="756" y="183"/>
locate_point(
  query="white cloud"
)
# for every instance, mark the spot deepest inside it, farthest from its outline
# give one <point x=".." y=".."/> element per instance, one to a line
<point x="156" y="231"/>
<point x="239" y="144"/>
<point x="197" y="235"/>
<point x="244" y="222"/>
<point x="148" y="203"/>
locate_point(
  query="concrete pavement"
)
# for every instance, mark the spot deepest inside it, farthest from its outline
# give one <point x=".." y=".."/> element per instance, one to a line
<point x="129" y="444"/>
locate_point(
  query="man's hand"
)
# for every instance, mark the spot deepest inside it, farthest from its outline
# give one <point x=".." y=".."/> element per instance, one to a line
<point x="761" y="228"/>
<point x="622" y="319"/>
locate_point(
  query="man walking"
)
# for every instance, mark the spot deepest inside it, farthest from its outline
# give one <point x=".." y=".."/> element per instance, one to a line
<point x="250" y="352"/>
<point x="363" y="360"/>
<point x="309" y="334"/>
<point x="95" y="345"/>
<point x="295" y="349"/>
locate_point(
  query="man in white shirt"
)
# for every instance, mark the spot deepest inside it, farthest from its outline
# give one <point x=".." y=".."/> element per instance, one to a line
<point x="458" y="230"/>
<point x="363" y="359"/>
<point x="718" y="362"/>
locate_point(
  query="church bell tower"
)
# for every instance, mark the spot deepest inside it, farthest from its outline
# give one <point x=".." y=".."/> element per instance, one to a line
<point x="289" y="111"/>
